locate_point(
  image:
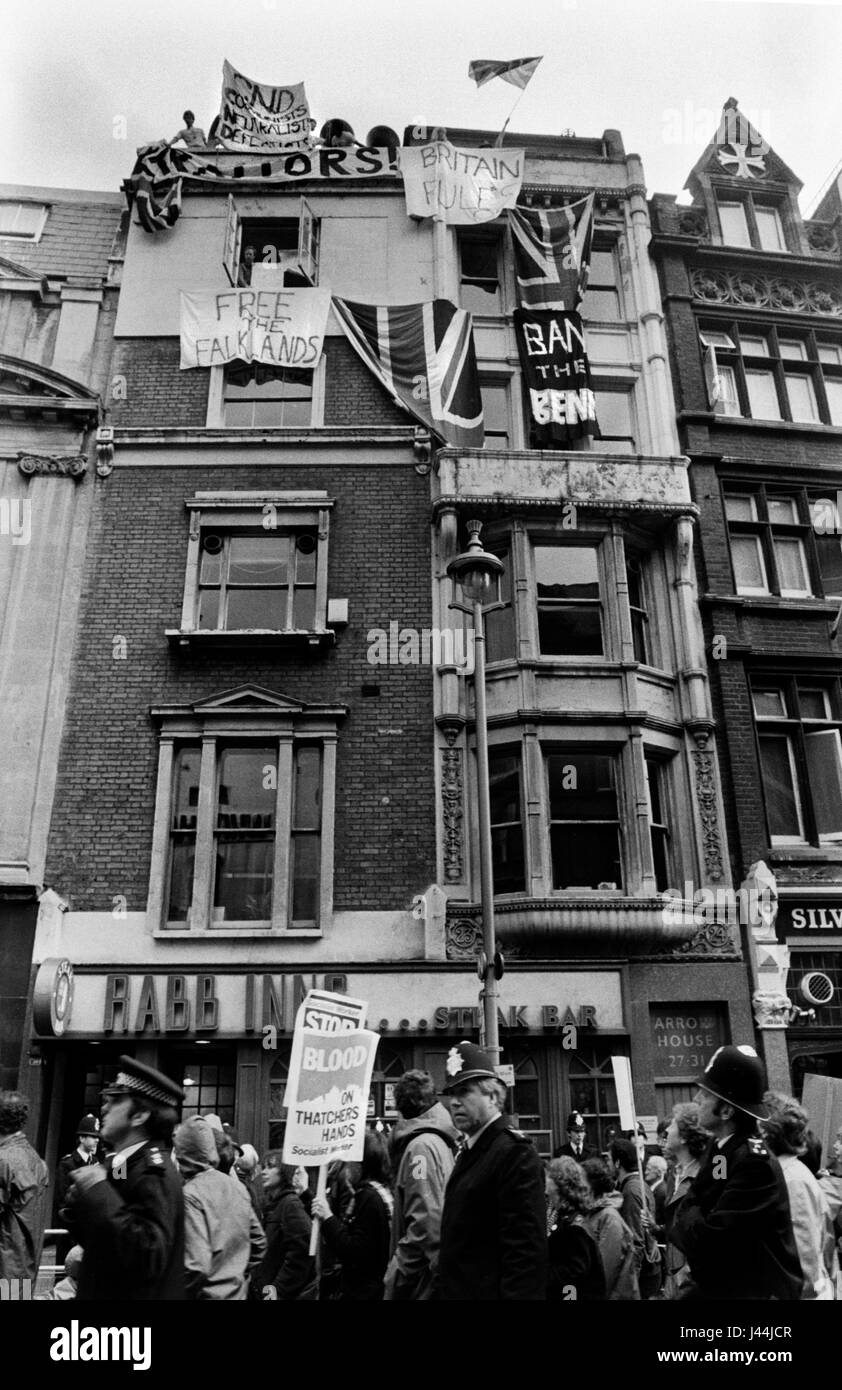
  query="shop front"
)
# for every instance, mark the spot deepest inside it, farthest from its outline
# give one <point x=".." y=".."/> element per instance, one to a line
<point x="225" y="1035"/>
<point x="811" y="927"/>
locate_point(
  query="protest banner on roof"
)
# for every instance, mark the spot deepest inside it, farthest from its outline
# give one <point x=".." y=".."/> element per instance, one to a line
<point x="255" y="116"/>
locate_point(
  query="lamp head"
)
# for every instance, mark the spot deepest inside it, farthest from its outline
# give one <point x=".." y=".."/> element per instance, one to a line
<point x="475" y="569"/>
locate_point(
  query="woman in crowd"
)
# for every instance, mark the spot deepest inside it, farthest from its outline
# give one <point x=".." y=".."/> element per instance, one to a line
<point x="686" y="1141"/>
<point x="361" y="1239"/>
<point x="785" y="1129"/>
<point x="288" y="1270"/>
<point x="574" y="1261"/>
<point x="614" y="1240"/>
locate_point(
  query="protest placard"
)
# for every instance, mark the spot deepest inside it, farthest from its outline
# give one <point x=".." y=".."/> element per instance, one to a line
<point x="556" y="376"/>
<point x="329" y="1080"/>
<point x="283" y="327"/>
<point x="460" y="186"/>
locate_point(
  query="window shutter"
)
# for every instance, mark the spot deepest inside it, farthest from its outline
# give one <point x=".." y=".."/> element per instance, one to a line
<point x="308" y="243"/>
<point x="233" y="234"/>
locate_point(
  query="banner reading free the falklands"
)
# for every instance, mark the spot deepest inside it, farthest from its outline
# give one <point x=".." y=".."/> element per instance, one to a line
<point x="283" y="327"/>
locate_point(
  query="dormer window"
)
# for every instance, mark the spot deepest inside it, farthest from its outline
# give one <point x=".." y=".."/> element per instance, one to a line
<point x="22" y="220"/>
<point x="750" y="221"/>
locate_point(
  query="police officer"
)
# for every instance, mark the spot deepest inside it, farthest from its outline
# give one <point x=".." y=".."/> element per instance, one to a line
<point x="85" y="1154"/>
<point x="577" y="1145"/>
<point x="494" y="1221"/>
<point x="734" y="1224"/>
<point x="128" y="1213"/>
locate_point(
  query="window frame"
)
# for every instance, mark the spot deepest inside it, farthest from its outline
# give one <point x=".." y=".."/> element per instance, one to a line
<point x="772" y="362"/>
<point x="244" y="513"/>
<point x="765" y="530"/>
<point x="613" y="756"/>
<point x="750" y="200"/>
<point x="306" y="257"/>
<point x="607" y="245"/>
<point x="491" y="235"/>
<point x="795" y="727"/>
<point x="216" y="403"/>
<point x="246" y="716"/>
<point x="19" y="204"/>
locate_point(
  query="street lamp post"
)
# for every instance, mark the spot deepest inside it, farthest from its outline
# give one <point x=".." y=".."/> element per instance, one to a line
<point x="476" y="571"/>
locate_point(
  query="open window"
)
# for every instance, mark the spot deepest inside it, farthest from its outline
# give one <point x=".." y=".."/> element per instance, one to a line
<point x="282" y="247"/>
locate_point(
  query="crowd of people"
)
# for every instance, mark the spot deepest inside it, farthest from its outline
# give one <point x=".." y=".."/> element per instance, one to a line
<point x="455" y="1204"/>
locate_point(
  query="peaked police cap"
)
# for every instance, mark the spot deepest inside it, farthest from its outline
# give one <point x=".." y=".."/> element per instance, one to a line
<point x="136" y="1079"/>
<point x="467" y="1062"/>
<point x="737" y="1076"/>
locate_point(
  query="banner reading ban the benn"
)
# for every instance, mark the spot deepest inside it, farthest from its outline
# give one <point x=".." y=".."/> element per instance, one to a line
<point x="283" y="328"/>
<point x="556" y="374"/>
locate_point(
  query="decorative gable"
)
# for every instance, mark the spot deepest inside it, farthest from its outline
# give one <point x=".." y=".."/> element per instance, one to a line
<point x="738" y="151"/>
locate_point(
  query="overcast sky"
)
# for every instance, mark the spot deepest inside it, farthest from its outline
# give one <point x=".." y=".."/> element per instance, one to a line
<point x="79" y="74"/>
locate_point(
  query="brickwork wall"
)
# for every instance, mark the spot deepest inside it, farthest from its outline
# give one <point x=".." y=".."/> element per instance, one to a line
<point x="152" y="392"/>
<point x="102" y="823"/>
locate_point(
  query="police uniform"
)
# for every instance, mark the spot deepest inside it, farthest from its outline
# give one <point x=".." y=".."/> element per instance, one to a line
<point x="65" y="1168"/>
<point x="131" y="1225"/>
<point x="734" y="1224"/>
<point x="494" y="1220"/>
<point x="575" y="1130"/>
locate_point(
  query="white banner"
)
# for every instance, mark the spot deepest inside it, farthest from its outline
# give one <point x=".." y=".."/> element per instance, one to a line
<point x="329" y="1081"/>
<point x="253" y="116"/>
<point x="283" y="327"/>
<point x="459" y="186"/>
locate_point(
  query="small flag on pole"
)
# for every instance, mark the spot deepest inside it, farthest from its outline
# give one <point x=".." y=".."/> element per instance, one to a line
<point x="517" y="70"/>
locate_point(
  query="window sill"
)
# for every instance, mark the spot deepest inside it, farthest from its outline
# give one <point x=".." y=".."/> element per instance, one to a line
<point x="746" y="422"/>
<point x="793" y="854"/>
<point x="230" y="931"/>
<point x="819" y="607"/>
<point x="251" y="637"/>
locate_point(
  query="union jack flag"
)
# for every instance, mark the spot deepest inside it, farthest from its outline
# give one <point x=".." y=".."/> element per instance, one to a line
<point x="552" y="249"/>
<point x="517" y="70"/>
<point x="424" y="356"/>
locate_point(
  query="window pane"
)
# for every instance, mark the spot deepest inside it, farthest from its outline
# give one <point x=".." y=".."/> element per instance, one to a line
<point x="740" y="507"/>
<point x="305" y="559"/>
<point x="824" y="773"/>
<point x="495" y="409"/>
<point x="570" y="631"/>
<point x="792" y="567"/>
<point x="582" y="786"/>
<point x="182" y="863"/>
<point x="729" y="397"/>
<point x="732" y="218"/>
<point x="792" y="348"/>
<point x="304" y="610"/>
<point x="749" y="569"/>
<point x="247" y="781"/>
<point x="769" y="229"/>
<point x="802" y="397"/>
<point x="783" y="510"/>
<point x="244" y="870"/>
<point x="566" y="572"/>
<point x="762" y="396"/>
<point x="210" y="570"/>
<point x="250" y="609"/>
<point x="770" y="703"/>
<point x="829" y="551"/>
<point x="186" y="789"/>
<point x="834" y="399"/>
<point x="603" y="268"/>
<point x="504" y="774"/>
<point x="499" y="634"/>
<point x="307" y="813"/>
<point x="782" y="807"/>
<point x="601" y="306"/>
<point x="304" y="869"/>
<point x="830" y="352"/>
<point x="754" y="346"/>
<point x="480" y="287"/>
<point x="613" y="414"/>
<point x="208" y="608"/>
<point x="586" y="856"/>
<point x="506" y="826"/>
<point x="258" y="560"/>
<point x="813" y="704"/>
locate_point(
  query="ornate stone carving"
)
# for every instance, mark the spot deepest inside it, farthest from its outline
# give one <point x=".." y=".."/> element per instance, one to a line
<point x="820" y="236"/>
<point x="451" y="799"/>
<point x="52" y="465"/>
<point x="712" y="938"/>
<point x="104" y="451"/>
<point x="706" y="801"/>
<point x="736" y="160"/>
<point x="762" y="291"/>
<point x="692" y="222"/>
<point x="771" y="1009"/>
<point x="463" y="939"/>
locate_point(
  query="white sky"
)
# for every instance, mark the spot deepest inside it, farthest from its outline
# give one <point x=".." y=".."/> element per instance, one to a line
<point x="658" y="70"/>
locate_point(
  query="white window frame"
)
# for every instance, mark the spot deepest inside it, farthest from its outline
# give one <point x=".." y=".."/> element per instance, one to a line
<point x="230" y="512"/>
<point x="216" y="403"/>
<point x="305" y="261"/>
<point x="248" y="714"/>
<point x="19" y="203"/>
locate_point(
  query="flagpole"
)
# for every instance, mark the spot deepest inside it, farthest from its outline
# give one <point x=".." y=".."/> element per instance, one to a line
<point x="499" y="141"/>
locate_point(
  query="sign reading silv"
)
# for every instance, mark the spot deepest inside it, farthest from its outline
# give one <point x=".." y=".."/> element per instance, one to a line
<point x="557" y="375"/>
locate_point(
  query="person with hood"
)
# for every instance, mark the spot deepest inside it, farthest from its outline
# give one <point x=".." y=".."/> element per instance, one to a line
<point x="23" y="1192"/>
<point x="734" y="1224"/>
<point x="223" y="1239"/>
<point x="287" y="1271"/>
<point x="423" y="1145"/>
<point x="613" y="1237"/>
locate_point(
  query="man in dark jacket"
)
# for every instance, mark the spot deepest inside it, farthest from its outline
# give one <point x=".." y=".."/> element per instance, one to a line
<point x="734" y="1224"/>
<point x="577" y="1145"/>
<point x="83" y="1156"/>
<point x="128" y="1213"/>
<point x="422" y="1149"/>
<point x="494" y="1223"/>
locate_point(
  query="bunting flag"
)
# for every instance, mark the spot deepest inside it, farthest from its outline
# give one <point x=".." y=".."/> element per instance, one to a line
<point x="552" y="249"/>
<point x="517" y="70"/>
<point x="424" y="356"/>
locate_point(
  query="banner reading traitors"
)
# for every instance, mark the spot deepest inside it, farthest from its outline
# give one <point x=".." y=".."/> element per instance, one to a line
<point x="283" y="328"/>
<point x="458" y="186"/>
<point x="329" y="1080"/>
<point x="254" y="116"/>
